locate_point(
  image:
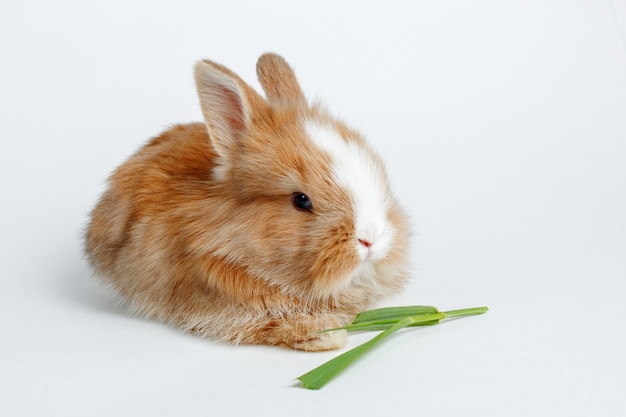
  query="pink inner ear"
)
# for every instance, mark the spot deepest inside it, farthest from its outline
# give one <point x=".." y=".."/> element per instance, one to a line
<point x="232" y="111"/>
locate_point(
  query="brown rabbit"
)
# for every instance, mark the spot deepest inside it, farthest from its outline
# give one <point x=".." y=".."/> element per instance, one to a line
<point x="268" y="222"/>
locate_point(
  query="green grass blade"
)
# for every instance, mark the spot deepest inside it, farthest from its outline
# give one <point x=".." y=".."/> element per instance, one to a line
<point x="465" y="312"/>
<point x="385" y="321"/>
<point x="389" y="319"/>
<point x="419" y="320"/>
<point x="393" y="314"/>
<point x="384" y="318"/>
<point x="321" y="375"/>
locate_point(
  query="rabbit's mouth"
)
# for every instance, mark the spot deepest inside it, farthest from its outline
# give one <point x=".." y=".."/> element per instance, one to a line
<point x="375" y="243"/>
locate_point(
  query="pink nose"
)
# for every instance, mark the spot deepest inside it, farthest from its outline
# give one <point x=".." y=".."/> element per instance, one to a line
<point x="365" y="243"/>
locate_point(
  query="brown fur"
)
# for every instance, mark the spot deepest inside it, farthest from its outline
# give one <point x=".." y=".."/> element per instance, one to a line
<point x="197" y="229"/>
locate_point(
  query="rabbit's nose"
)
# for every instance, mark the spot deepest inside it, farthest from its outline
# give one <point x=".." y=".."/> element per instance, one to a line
<point x="365" y="243"/>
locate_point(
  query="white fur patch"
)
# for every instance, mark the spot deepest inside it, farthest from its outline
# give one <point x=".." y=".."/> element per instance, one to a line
<point x="358" y="173"/>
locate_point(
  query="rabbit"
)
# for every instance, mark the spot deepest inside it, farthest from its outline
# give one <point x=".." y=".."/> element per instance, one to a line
<point x="265" y="224"/>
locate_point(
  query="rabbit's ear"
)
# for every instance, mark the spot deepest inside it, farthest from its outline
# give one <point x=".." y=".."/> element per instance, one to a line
<point x="228" y="105"/>
<point x="278" y="80"/>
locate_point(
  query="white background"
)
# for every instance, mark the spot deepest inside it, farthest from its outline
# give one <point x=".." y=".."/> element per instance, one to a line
<point x="504" y="127"/>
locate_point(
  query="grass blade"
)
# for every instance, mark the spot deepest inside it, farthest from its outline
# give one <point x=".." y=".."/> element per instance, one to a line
<point x="393" y="314"/>
<point x="384" y="318"/>
<point x="374" y="325"/>
<point x="320" y="376"/>
<point x="389" y="319"/>
<point x="465" y="312"/>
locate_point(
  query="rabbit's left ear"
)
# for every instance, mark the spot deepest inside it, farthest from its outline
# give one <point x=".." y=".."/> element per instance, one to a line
<point x="278" y="80"/>
<point x="228" y="105"/>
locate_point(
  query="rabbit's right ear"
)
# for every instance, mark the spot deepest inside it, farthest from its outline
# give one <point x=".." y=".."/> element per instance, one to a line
<point x="278" y="80"/>
<point x="228" y="105"/>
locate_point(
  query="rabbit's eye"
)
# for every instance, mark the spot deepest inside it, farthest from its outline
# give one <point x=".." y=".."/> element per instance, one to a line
<point x="302" y="202"/>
